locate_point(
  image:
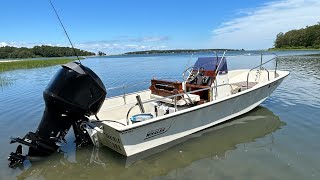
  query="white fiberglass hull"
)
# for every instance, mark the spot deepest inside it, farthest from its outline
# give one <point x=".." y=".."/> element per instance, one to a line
<point x="161" y="130"/>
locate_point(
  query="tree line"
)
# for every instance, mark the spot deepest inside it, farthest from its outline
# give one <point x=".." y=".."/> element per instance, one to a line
<point x="40" y="51"/>
<point x="304" y="38"/>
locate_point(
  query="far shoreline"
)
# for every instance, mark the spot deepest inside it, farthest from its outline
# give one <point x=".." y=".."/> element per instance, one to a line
<point x="293" y="49"/>
<point x="178" y="51"/>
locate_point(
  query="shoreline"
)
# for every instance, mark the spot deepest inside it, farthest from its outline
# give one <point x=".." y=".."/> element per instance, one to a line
<point x="284" y="49"/>
<point x="9" y="65"/>
<point x="178" y="51"/>
<point x="313" y="55"/>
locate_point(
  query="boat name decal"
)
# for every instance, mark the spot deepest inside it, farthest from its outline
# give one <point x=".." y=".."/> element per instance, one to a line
<point x="157" y="132"/>
<point x="112" y="138"/>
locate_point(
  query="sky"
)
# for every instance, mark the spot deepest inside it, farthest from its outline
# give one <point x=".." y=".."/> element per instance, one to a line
<point x="118" y="26"/>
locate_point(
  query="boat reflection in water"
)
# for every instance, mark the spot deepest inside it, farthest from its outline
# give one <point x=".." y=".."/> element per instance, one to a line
<point x="92" y="162"/>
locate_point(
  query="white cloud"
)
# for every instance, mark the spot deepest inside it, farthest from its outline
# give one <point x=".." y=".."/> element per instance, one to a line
<point x="122" y="39"/>
<point x="132" y="45"/>
<point x="14" y="44"/>
<point x="3" y="44"/>
<point x="114" y="46"/>
<point x="154" y="39"/>
<point x="258" y="28"/>
<point x="124" y="44"/>
<point x="28" y="44"/>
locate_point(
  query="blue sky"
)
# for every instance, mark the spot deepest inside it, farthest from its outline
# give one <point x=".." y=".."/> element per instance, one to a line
<point x="116" y="26"/>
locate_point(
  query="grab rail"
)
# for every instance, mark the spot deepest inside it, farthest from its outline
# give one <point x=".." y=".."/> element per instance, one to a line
<point x="126" y="86"/>
<point x="262" y="68"/>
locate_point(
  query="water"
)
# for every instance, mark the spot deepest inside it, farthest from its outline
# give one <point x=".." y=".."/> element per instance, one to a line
<point x="277" y="140"/>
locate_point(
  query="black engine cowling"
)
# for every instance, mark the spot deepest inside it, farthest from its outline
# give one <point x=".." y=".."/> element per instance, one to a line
<point x="74" y="93"/>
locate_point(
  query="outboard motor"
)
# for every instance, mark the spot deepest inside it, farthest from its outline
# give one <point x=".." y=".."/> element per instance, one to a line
<point x="74" y="93"/>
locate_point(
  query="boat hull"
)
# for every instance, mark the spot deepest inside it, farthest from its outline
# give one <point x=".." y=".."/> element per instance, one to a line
<point x="164" y="129"/>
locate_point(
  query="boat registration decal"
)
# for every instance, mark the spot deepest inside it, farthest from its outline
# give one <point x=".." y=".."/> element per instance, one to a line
<point x="112" y="138"/>
<point x="157" y="132"/>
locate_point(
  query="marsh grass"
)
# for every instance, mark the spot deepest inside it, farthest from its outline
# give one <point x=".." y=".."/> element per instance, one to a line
<point x="4" y="82"/>
<point x="28" y="64"/>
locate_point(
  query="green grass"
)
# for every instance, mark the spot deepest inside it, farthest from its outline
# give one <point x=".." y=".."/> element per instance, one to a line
<point x="28" y="64"/>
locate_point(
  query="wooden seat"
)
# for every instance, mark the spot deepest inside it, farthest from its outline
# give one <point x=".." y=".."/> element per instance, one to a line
<point x="165" y="88"/>
<point x="162" y="88"/>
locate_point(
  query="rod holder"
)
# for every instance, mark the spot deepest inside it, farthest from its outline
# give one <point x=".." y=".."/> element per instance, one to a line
<point x="139" y="102"/>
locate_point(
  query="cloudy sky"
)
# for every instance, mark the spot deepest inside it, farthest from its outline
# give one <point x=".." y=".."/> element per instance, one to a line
<point x="117" y="26"/>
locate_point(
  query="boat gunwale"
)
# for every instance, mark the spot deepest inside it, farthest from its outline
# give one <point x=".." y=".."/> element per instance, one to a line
<point x="124" y="129"/>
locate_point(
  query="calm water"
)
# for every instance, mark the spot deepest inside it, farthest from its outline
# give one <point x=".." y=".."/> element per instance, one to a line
<point x="277" y="140"/>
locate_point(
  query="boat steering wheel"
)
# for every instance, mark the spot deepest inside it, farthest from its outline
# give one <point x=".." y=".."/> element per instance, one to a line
<point x="187" y="74"/>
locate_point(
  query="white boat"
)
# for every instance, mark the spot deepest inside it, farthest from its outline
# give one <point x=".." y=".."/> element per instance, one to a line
<point x="169" y="110"/>
<point x="133" y="123"/>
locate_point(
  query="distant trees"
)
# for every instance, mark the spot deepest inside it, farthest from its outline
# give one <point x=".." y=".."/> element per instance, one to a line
<point x="101" y="53"/>
<point x="308" y="37"/>
<point x="40" y="51"/>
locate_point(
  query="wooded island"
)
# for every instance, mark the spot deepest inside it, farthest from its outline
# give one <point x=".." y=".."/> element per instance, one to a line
<point x="305" y="38"/>
<point x="7" y="52"/>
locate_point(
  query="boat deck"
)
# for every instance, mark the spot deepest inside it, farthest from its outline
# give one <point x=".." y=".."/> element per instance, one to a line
<point x="243" y="84"/>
